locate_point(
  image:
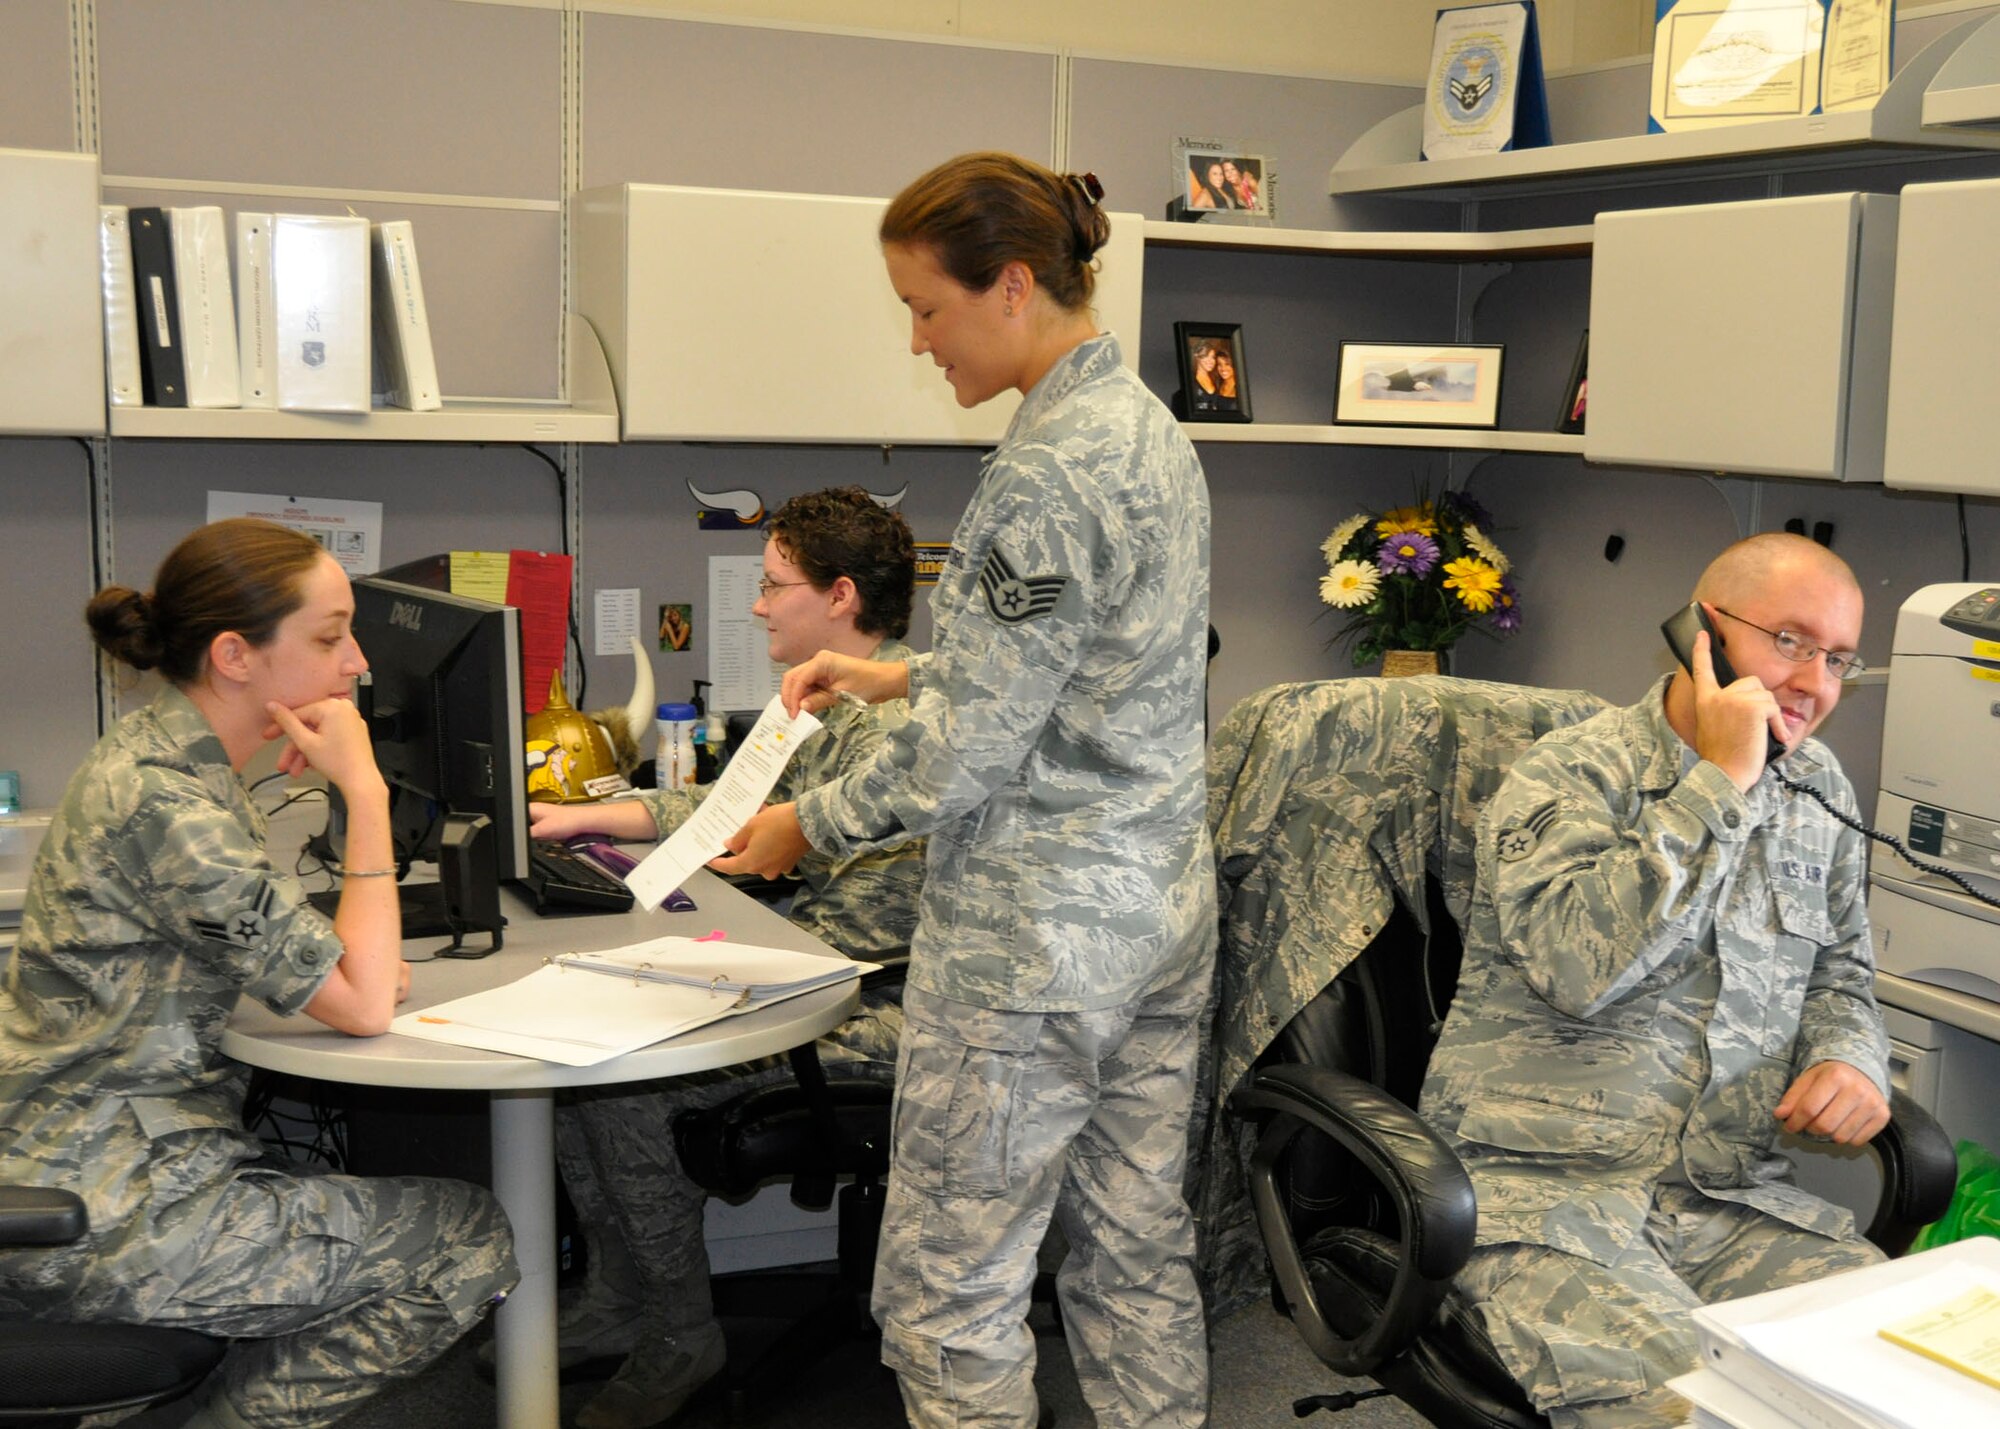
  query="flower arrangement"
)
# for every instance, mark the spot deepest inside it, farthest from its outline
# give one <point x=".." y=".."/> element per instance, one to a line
<point x="1418" y="577"/>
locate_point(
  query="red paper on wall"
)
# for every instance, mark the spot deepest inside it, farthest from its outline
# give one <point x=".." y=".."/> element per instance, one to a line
<point x="538" y="585"/>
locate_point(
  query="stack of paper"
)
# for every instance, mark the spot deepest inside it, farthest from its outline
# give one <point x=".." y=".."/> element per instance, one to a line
<point x="1817" y="1354"/>
<point x="590" y="1007"/>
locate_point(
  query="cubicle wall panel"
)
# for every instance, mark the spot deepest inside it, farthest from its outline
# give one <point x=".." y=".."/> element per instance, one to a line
<point x="36" y="109"/>
<point x="492" y="282"/>
<point x="1294" y="312"/>
<point x="1271" y="508"/>
<point x="48" y="701"/>
<point x="420" y="96"/>
<point x="640" y="531"/>
<point x="796" y="111"/>
<point x="1124" y="118"/>
<point x="1538" y="312"/>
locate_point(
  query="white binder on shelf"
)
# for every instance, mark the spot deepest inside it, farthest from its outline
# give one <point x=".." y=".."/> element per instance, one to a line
<point x="123" y="385"/>
<point x="256" y="331"/>
<point x="402" y="325"/>
<point x="319" y="281"/>
<point x="208" y="313"/>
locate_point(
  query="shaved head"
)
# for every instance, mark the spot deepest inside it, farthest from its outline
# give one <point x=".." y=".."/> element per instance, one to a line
<point x="1752" y="566"/>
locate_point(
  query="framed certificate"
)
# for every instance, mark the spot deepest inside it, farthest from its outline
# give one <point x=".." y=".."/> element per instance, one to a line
<point x="1485" y="92"/>
<point x="1724" y="61"/>
<point x="1855" y="56"/>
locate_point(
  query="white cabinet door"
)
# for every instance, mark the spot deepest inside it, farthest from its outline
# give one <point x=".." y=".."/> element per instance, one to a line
<point x="1744" y="337"/>
<point x="52" y="334"/>
<point x="735" y="316"/>
<point x="1944" y="426"/>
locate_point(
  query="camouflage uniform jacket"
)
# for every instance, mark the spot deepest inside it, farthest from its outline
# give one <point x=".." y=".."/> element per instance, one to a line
<point x="151" y="907"/>
<point x="1330" y="801"/>
<point x="1652" y="959"/>
<point x="1054" y="747"/>
<point x="864" y="904"/>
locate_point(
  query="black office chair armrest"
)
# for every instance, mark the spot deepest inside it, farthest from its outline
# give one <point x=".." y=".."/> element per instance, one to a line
<point x="1435" y="1207"/>
<point x="38" y="1215"/>
<point x="890" y="970"/>
<point x="1919" y="1174"/>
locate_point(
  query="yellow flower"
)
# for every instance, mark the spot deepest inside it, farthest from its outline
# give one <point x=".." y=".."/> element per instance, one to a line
<point x="1421" y="519"/>
<point x="1490" y="553"/>
<point x="1349" y="583"/>
<point x="1342" y="534"/>
<point x="1475" y="581"/>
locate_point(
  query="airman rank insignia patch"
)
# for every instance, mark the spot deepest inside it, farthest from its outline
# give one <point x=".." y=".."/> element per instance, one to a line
<point x="244" y="929"/>
<point x="1013" y="598"/>
<point x="1517" y="841"/>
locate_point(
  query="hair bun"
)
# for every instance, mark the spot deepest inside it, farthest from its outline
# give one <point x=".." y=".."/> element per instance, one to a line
<point x="124" y="623"/>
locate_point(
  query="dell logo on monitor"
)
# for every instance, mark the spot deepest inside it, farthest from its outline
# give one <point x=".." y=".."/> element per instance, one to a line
<point x="406" y="614"/>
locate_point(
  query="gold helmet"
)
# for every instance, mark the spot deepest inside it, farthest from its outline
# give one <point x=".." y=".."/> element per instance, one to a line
<point x="569" y="755"/>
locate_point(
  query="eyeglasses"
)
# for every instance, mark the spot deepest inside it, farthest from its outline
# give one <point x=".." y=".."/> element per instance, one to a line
<point x="1841" y="664"/>
<point x="766" y="585"/>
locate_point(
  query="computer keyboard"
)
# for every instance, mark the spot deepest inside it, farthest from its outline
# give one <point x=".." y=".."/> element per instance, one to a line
<point x="563" y="880"/>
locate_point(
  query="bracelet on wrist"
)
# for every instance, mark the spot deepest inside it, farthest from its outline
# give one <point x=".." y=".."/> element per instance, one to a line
<point x="367" y="872"/>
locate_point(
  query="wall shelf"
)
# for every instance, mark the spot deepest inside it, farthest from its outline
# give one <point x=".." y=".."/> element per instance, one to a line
<point x="1379" y="161"/>
<point x="591" y="415"/>
<point x="1572" y="241"/>
<point x="1437" y="438"/>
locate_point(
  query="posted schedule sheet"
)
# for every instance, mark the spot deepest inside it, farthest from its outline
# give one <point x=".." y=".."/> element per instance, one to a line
<point x="741" y="791"/>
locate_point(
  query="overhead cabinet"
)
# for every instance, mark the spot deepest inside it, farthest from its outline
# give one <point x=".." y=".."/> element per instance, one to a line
<point x="1944" y="426"/>
<point x="1749" y="338"/>
<point x="737" y="316"/>
<point x="52" y="332"/>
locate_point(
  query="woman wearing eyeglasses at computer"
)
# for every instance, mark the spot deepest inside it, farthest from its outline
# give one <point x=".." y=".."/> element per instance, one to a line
<point x="153" y="904"/>
<point x="1054" y="754"/>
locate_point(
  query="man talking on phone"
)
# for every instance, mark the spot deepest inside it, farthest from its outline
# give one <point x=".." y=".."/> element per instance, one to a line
<point x="1667" y="964"/>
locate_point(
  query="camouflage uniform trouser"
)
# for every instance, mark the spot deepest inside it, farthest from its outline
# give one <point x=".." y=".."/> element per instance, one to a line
<point x="1003" y="1118"/>
<point x="615" y="1145"/>
<point x="1594" y="1345"/>
<point x="335" y="1285"/>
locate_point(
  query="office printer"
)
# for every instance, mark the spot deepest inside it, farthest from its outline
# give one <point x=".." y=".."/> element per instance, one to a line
<point x="1941" y="792"/>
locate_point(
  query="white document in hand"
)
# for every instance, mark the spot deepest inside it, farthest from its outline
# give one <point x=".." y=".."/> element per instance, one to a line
<point x="740" y="792"/>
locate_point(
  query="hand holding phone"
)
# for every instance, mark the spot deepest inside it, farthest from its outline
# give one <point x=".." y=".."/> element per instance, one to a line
<point x="1680" y="629"/>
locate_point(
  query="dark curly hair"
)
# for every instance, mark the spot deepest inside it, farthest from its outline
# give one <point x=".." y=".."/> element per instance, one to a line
<point x="980" y="212"/>
<point x="843" y="531"/>
<point x="241" y="574"/>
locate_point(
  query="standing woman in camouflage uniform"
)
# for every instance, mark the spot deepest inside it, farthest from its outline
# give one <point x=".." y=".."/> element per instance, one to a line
<point x="154" y="903"/>
<point x="1053" y="753"/>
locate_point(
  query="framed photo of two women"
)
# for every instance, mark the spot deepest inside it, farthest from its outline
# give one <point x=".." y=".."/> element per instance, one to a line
<point x="1215" y="373"/>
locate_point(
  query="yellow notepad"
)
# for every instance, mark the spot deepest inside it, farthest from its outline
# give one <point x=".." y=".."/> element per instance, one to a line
<point x="1963" y="1333"/>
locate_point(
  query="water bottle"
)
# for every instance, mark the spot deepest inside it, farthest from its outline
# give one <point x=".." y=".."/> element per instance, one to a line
<point x="673" y="761"/>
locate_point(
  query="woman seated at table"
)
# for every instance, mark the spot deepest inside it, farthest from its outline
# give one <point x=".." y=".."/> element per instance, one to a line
<point x="153" y="904"/>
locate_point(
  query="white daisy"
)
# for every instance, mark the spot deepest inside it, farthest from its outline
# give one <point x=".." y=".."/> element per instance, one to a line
<point x="1349" y="583"/>
<point x="1342" y="534"/>
<point x="1488" y="552"/>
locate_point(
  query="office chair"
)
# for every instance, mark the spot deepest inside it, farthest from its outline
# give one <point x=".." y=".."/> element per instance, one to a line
<point x="812" y="1131"/>
<point x="53" y="1373"/>
<point x="1364" y="1212"/>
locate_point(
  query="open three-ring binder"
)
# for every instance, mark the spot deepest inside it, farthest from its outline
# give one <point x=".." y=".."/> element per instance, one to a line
<point x="585" y="1008"/>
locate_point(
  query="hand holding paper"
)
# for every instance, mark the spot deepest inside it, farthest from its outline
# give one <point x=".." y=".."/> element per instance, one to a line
<point x="770" y="845"/>
<point x="736" y="797"/>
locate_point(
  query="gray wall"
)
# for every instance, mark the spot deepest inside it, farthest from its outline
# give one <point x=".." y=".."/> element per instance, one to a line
<point x="466" y="118"/>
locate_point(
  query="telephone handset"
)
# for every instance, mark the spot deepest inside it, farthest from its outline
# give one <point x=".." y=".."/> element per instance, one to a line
<point x="1680" y="628"/>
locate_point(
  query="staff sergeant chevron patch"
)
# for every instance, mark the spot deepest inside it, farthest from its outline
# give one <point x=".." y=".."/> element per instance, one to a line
<point x="1013" y="598"/>
<point x="1517" y="841"/>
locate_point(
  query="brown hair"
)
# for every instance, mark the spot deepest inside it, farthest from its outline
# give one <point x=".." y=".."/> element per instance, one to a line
<point x="980" y="212"/>
<point x="240" y="574"/>
<point x="844" y="531"/>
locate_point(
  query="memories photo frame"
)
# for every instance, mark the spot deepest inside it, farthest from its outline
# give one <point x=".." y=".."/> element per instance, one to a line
<point x="1214" y="177"/>
<point x="1404" y="384"/>
<point x="1215" y="374"/>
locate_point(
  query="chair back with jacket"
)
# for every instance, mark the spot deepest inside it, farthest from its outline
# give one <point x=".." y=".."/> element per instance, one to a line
<point x="55" y="1372"/>
<point x="1365" y="1213"/>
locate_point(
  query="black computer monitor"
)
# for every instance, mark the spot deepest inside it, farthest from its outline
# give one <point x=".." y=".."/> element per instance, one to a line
<point x="443" y="701"/>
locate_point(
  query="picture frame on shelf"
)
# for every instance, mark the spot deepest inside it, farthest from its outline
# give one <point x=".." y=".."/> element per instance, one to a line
<point x="1216" y="178"/>
<point x="1215" y="373"/>
<point x="1576" y="392"/>
<point x="1405" y="384"/>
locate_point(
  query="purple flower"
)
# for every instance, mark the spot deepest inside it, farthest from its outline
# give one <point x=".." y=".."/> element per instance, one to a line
<point x="1468" y="507"/>
<point x="1507" y="607"/>
<point x="1410" y="553"/>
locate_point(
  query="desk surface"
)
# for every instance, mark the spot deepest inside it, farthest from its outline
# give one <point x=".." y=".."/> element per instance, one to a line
<point x="303" y="1047"/>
